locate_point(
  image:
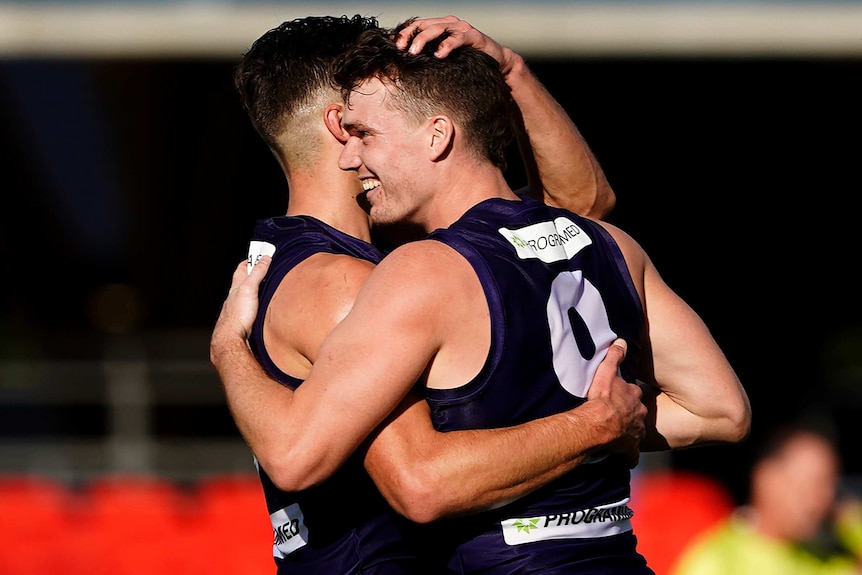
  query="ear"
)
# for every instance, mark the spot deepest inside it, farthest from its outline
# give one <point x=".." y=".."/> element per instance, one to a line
<point x="332" y="119"/>
<point x="442" y="136"/>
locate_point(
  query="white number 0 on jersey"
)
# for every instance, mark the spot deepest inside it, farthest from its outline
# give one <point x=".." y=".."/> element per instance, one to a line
<point x="580" y="330"/>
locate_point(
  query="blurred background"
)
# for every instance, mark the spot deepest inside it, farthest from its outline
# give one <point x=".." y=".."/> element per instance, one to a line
<point x="131" y="181"/>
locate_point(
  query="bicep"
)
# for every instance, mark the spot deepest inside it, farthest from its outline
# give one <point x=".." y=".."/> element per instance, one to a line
<point x="684" y="350"/>
<point x="701" y="397"/>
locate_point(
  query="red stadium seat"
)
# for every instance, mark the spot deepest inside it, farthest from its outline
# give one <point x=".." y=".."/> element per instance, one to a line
<point x="234" y="517"/>
<point x="127" y="525"/>
<point x="134" y="525"/>
<point x="670" y="508"/>
<point x="33" y="525"/>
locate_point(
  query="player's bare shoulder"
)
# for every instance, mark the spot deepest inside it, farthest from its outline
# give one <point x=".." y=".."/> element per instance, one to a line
<point x="632" y="251"/>
<point x="310" y="301"/>
<point x="429" y="262"/>
<point x="329" y="283"/>
<point x="423" y="281"/>
<point x="636" y="258"/>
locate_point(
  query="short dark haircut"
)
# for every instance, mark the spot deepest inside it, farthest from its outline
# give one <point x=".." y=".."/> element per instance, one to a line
<point x="466" y="85"/>
<point x="286" y="67"/>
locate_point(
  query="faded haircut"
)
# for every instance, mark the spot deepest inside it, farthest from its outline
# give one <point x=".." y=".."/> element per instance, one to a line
<point x="288" y="69"/>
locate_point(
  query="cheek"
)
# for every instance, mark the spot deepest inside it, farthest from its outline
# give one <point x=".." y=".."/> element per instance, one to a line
<point x="391" y="162"/>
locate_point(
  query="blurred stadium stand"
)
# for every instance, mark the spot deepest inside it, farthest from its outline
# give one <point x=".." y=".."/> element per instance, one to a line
<point x="158" y="411"/>
<point x="78" y="28"/>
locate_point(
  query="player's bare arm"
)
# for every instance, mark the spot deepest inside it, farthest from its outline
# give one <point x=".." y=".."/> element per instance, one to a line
<point x="245" y="382"/>
<point x="416" y="475"/>
<point x="366" y="366"/>
<point x="697" y="397"/>
<point x="364" y="369"/>
<point x="701" y="398"/>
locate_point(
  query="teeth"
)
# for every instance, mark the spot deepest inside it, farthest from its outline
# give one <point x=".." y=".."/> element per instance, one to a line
<point x="369" y="185"/>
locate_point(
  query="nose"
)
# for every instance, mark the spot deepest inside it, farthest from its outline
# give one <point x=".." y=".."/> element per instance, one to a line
<point x="349" y="157"/>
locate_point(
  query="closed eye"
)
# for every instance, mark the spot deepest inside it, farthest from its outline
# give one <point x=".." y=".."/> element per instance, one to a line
<point x="357" y="131"/>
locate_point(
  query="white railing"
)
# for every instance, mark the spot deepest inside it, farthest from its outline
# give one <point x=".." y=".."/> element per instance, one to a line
<point x="125" y="413"/>
<point x="541" y="29"/>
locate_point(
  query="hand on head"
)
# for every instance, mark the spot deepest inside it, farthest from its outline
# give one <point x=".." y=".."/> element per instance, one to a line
<point x="419" y="32"/>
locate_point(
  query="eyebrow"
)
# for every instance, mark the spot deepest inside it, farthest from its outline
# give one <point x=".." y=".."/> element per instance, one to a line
<point x="356" y="127"/>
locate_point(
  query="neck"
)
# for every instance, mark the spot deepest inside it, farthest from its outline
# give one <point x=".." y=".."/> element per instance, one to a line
<point x="331" y="196"/>
<point x="472" y="185"/>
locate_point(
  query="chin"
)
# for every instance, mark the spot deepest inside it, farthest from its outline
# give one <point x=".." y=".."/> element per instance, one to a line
<point x="379" y="217"/>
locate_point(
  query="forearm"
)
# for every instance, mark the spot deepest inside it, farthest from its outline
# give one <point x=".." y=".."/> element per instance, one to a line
<point x="699" y="397"/>
<point x="699" y="404"/>
<point x="427" y="475"/>
<point x="300" y="437"/>
<point x="253" y="399"/>
<point x="297" y="440"/>
<point x="563" y="170"/>
<point x="678" y="425"/>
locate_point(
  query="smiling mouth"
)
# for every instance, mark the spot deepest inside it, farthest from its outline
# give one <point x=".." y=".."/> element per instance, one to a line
<point x="370" y="184"/>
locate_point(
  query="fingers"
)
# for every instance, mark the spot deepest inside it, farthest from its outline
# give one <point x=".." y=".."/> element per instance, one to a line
<point x="247" y="276"/>
<point x="258" y="271"/>
<point x="246" y="280"/>
<point x="239" y="309"/>
<point x="415" y="36"/>
<point x="609" y="367"/>
<point x="627" y="413"/>
<point x="420" y="31"/>
<point x="239" y="274"/>
<point x="617" y="352"/>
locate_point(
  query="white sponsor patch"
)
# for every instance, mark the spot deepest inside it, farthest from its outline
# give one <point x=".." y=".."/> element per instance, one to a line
<point x="289" y="532"/>
<point x="548" y="241"/>
<point x="258" y="249"/>
<point x="601" y="521"/>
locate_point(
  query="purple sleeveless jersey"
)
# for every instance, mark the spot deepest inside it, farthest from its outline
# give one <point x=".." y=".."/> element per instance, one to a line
<point x="559" y="293"/>
<point x="343" y="526"/>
